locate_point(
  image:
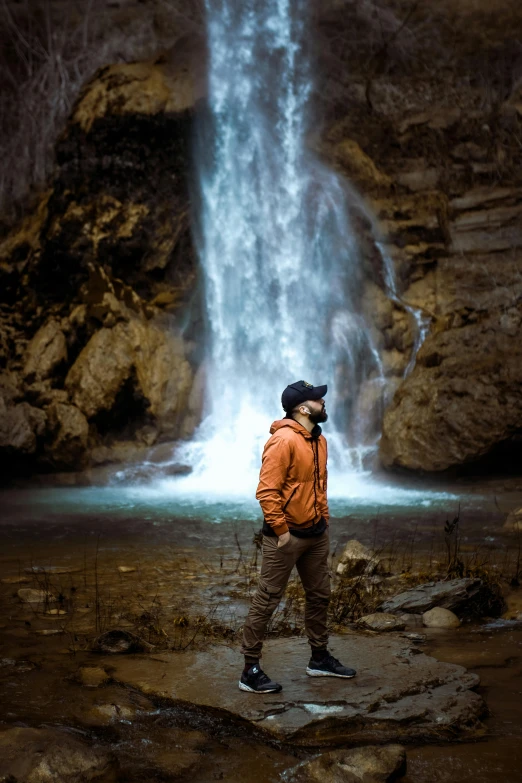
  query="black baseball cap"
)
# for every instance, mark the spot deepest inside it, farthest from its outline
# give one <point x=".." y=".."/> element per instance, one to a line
<point x="301" y="391"/>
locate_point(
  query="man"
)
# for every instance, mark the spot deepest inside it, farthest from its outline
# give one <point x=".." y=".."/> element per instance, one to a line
<point x="292" y="494"/>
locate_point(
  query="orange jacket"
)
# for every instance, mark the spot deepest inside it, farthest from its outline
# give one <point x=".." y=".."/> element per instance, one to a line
<point x="292" y="482"/>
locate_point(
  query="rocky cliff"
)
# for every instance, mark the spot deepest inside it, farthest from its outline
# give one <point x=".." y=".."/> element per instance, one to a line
<point x="422" y="111"/>
<point x="99" y="297"/>
<point x="426" y="118"/>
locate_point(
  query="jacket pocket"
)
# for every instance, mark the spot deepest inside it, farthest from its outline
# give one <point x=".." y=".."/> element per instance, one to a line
<point x="292" y="493"/>
<point x="300" y="506"/>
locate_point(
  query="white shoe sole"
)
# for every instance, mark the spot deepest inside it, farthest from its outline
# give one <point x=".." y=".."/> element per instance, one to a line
<point x="243" y="687"/>
<point x="317" y="673"/>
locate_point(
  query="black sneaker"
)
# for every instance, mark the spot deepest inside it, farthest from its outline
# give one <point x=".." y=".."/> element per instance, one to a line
<point x="329" y="667"/>
<point x="256" y="681"/>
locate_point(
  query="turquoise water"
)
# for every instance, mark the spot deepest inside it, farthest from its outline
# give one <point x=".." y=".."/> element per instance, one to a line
<point x="176" y="499"/>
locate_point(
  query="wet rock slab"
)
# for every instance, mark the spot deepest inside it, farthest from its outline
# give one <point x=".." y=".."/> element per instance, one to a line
<point x="399" y="694"/>
<point x="452" y="594"/>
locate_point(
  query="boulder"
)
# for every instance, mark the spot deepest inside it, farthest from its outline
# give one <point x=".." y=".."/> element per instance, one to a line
<point x="370" y="764"/>
<point x="137" y="352"/>
<point x="70" y="431"/>
<point x="100" y="370"/>
<point x="20" y="428"/>
<point x="10" y="388"/>
<point x="440" y="618"/>
<point x="356" y="559"/>
<point x="453" y="594"/>
<point x="46" y="352"/>
<point x="463" y="397"/>
<point x="380" y="621"/>
<point x="45" y="756"/>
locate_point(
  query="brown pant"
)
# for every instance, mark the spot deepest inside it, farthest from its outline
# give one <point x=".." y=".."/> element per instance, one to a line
<point x="310" y="556"/>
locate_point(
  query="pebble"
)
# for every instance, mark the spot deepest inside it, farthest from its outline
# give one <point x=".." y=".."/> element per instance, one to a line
<point x="418" y="638"/>
<point x="30" y="596"/>
<point x="126" y="569"/>
<point x="49" y="632"/>
<point x="92" y="676"/>
<point x="52" y="570"/>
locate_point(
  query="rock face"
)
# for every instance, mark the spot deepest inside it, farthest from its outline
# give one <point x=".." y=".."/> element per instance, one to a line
<point x="42" y="756"/>
<point x="370" y="764"/>
<point x="102" y="280"/>
<point x="398" y="691"/>
<point x="464" y="395"/>
<point x="451" y="218"/>
<point x="108" y="253"/>
<point x="453" y="594"/>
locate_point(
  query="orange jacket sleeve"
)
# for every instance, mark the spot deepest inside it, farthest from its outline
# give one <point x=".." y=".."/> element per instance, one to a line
<point x="274" y="468"/>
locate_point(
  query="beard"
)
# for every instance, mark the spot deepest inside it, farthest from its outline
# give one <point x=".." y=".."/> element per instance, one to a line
<point x="319" y="418"/>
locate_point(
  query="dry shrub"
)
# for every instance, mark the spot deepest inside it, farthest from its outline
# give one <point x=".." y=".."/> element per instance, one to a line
<point x="48" y="50"/>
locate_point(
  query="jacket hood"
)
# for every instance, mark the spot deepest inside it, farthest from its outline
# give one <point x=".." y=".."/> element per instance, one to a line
<point x="294" y="425"/>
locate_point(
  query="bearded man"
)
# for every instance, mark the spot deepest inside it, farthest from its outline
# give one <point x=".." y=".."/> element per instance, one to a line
<point x="292" y="495"/>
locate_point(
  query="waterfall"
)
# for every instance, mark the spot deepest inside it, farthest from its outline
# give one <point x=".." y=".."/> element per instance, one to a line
<point x="282" y="269"/>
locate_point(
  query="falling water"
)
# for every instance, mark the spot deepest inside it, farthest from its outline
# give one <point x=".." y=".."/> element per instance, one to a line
<point x="283" y="272"/>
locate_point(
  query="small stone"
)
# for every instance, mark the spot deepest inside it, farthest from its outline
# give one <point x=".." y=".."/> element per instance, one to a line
<point x="118" y="641"/>
<point x="92" y="676"/>
<point x="49" y="632"/>
<point x="379" y="621"/>
<point x="417" y="638"/>
<point x="102" y="714"/>
<point x="123" y="706"/>
<point x="48" y="569"/>
<point x="127" y="569"/>
<point x="514" y="521"/>
<point x="30" y="596"/>
<point x="56" y="612"/>
<point x="440" y="618"/>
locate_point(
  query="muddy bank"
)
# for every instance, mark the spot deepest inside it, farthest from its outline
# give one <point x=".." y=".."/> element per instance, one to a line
<point x="182" y="585"/>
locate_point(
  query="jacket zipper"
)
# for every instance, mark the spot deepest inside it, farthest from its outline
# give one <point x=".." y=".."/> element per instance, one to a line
<point x="316" y="471"/>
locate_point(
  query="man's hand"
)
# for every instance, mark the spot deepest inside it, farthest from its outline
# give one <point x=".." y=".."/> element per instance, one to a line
<point x="284" y="539"/>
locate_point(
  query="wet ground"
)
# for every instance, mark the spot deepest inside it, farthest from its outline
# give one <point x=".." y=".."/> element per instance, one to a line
<point x="179" y="581"/>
